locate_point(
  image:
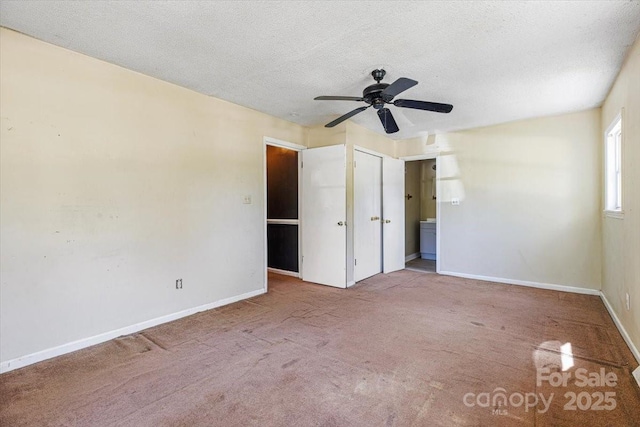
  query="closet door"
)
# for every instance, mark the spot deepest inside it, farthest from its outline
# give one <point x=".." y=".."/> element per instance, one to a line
<point x="324" y="208"/>
<point x="393" y="214"/>
<point x="367" y="215"/>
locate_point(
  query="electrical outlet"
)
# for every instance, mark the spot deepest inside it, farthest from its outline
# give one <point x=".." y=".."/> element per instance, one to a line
<point x="628" y="301"/>
<point x="455" y="201"/>
<point x="246" y="200"/>
<point x="179" y="284"/>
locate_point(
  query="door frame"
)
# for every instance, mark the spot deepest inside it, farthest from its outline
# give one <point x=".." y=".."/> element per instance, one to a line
<point x="266" y="140"/>
<point x="432" y="156"/>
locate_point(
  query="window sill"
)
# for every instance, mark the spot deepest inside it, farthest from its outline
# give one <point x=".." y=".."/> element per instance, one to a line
<point x="614" y="214"/>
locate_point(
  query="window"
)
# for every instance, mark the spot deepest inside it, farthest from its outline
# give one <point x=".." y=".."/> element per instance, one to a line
<point x="613" y="168"/>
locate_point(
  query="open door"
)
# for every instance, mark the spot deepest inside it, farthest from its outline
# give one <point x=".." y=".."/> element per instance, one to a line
<point x="393" y="214"/>
<point x="324" y="210"/>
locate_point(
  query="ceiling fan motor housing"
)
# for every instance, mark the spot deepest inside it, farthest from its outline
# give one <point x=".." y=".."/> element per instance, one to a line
<point x="373" y="95"/>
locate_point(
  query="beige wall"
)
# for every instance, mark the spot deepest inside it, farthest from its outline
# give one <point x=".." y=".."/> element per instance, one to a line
<point x="421" y="146"/>
<point x="320" y="136"/>
<point x="365" y="138"/>
<point x="529" y="196"/>
<point x="113" y="185"/>
<point x="621" y="237"/>
<point x="412" y="208"/>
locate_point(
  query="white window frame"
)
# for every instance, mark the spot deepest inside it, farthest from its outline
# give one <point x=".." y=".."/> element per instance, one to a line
<point x="613" y="148"/>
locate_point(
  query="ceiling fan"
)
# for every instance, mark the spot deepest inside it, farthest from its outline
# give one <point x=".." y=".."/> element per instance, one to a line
<point x="379" y="94"/>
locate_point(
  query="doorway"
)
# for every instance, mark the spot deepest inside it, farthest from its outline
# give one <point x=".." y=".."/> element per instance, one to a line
<point x="281" y="208"/>
<point x="421" y="215"/>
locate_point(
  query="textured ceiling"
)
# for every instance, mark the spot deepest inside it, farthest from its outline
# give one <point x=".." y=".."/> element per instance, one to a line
<point x="494" y="61"/>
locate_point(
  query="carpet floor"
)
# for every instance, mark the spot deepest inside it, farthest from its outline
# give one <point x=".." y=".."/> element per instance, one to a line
<point x="402" y="349"/>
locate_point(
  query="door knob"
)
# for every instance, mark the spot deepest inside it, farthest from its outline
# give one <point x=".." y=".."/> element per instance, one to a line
<point x="387" y="221"/>
<point x="342" y="223"/>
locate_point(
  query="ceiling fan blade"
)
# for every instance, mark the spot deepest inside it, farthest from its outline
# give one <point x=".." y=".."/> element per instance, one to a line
<point x="397" y="87"/>
<point x="423" y="105"/>
<point x="388" y="122"/>
<point x="346" y="116"/>
<point x="338" y="98"/>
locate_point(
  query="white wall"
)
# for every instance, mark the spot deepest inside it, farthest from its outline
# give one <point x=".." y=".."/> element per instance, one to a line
<point x="621" y="237"/>
<point x="529" y="196"/>
<point x="113" y="185"/>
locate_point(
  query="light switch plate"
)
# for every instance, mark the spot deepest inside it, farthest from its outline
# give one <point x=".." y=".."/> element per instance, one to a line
<point x="455" y="201"/>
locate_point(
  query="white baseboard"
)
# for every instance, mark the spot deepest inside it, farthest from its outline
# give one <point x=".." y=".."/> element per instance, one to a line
<point x="39" y="356"/>
<point x="283" y="272"/>
<point x="412" y="257"/>
<point x="351" y="283"/>
<point x="550" y="286"/>
<point x="622" y="330"/>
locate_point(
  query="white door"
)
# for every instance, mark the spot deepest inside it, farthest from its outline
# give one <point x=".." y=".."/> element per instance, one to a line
<point x="367" y="215"/>
<point x="393" y="214"/>
<point x="323" y="216"/>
